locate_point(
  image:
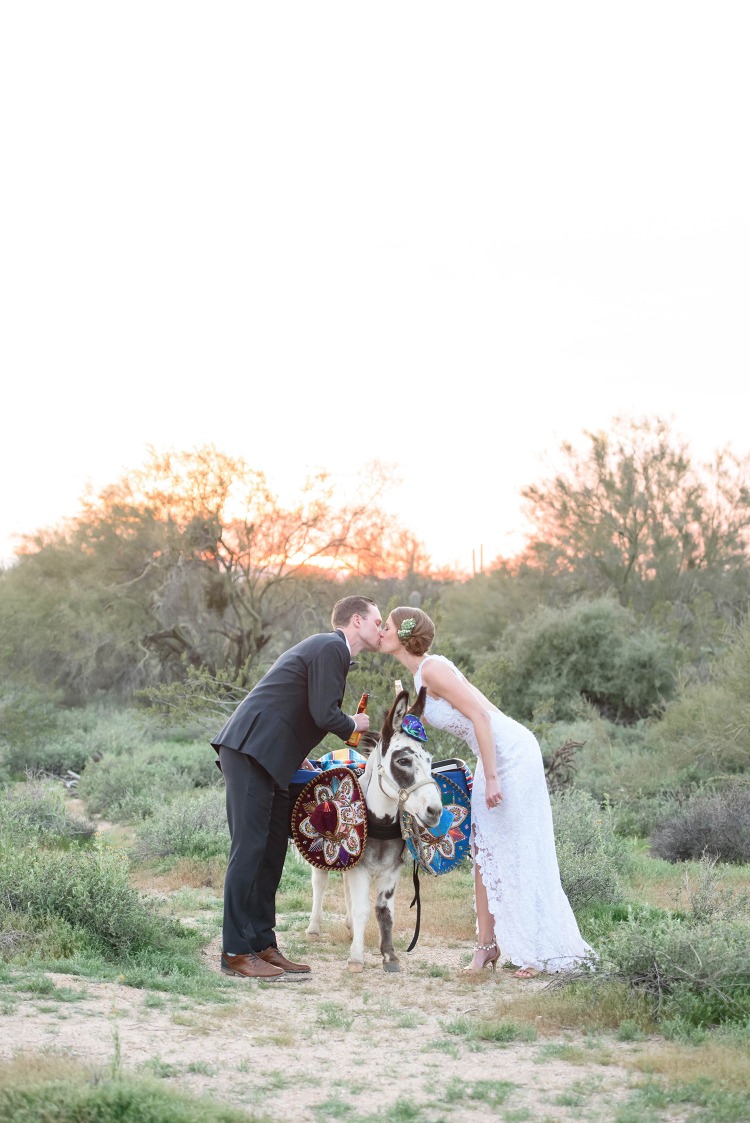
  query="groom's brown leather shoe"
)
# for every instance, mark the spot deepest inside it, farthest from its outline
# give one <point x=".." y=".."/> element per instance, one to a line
<point x="274" y="956"/>
<point x="250" y="967"/>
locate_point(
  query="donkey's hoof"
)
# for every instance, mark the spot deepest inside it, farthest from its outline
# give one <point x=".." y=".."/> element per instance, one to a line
<point x="391" y="965"/>
<point x="355" y="966"/>
<point x="312" y="933"/>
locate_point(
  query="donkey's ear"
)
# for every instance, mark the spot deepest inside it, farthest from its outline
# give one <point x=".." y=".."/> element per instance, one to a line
<point x="369" y="740"/>
<point x="418" y="707"/>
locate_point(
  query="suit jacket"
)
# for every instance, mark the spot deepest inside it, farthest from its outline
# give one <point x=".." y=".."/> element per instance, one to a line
<point x="289" y="711"/>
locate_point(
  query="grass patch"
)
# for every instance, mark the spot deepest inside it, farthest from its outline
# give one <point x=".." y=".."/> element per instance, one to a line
<point x="718" y="1105"/>
<point x="89" y="891"/>
<point x="584" y="1005"/>
<point x="498" y="1032"/>
<point x="723" y="1058"/>
<point x="35" y="1088"/>
<point x="492" y="1093"/>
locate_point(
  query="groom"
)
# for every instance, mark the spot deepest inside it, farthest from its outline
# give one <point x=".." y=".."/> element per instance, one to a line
<point x="270" y="734"/>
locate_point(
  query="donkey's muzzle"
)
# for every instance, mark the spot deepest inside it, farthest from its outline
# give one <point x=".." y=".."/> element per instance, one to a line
<point x="443" y="825"/>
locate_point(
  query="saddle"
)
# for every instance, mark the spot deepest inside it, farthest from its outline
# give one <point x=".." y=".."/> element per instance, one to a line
<point x="328" y="820"/>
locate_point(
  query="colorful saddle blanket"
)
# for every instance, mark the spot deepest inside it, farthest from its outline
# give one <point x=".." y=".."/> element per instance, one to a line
<point x="342" y="758"/>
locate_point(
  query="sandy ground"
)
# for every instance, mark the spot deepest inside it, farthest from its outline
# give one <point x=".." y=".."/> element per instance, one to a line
<point x="333" y="1043"/>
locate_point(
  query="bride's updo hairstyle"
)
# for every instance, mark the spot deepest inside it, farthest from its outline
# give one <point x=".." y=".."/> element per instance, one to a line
<point x="414" y="628"/>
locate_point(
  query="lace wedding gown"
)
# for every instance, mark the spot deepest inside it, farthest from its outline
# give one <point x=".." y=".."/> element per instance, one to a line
<point x="514" y="843"/>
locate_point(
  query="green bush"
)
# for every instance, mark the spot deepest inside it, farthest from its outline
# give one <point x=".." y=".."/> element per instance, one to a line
<point x="132" y="786"/>
<point x="191" y="826"/>
<point x="595" y="650"/>
<point x="716" y="824"/>
<point x="637" y="813"/>
<point x="71" y="740"/>
<point x="25" y="937"/>
<point x="88" y="889"/>
<point x="694" y="965"/>
<point x="38" y="808"/>
<point x="27" y="718"/>
<point x="593" y="859"/>
<point x="698" y="972"/>
<point x="705" y="731"/>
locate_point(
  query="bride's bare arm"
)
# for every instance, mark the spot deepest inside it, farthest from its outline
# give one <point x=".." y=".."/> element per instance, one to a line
<point x="441" y="682"/>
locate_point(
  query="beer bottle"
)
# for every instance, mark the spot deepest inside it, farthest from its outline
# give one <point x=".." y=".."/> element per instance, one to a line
<point x="354" y="739"/>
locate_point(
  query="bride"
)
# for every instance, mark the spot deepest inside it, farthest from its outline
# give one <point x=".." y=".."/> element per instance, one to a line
<point x="517" y="892"/>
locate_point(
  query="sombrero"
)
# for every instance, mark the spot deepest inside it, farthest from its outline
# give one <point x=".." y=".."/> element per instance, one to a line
<point x="441" y="852"/>
<point x="329" y="820"/>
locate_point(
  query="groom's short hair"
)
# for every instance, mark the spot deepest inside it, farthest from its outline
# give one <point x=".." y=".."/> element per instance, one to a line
<point x="344" y="609"/>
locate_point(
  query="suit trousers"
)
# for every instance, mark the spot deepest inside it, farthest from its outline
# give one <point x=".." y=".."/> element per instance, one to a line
<point x="258" y="818"/>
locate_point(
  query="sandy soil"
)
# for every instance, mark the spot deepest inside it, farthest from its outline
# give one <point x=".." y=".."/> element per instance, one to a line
<point x="332" y="1043"/>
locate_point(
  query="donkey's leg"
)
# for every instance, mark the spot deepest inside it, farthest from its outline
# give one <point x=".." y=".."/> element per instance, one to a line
<point x="348" y="902"/>
<point x="319" y="886"/>
<point x="359" y="898"/>
<point x="384" y="911"/>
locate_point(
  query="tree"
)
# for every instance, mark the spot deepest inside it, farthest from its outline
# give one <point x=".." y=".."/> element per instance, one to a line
<point x="632" y="515"/>
<point x="191" y="560"/>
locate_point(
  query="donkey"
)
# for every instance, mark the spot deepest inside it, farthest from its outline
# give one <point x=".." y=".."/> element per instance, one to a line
<point x="397" y="776"/>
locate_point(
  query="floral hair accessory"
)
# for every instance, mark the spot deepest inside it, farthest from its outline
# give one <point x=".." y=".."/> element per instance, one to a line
<point x="407" y="628"/>
<point x="413" y="727"/>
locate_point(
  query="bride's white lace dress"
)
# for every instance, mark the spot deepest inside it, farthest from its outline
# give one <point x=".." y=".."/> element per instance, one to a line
<point x="515" y="843"/>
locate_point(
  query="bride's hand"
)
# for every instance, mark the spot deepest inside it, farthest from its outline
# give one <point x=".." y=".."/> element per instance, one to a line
<point x="492" y="793"/>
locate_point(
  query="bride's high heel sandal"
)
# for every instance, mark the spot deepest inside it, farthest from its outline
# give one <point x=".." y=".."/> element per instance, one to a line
<point x="485" y="955"/>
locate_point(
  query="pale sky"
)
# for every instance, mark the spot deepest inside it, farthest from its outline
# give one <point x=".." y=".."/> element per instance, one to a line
<point x="449" y="236"/>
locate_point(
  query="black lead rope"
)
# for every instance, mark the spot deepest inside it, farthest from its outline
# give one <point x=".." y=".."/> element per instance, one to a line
<point x="418" y="903"/>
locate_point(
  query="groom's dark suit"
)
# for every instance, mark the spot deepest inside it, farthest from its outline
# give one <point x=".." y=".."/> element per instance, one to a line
<point x="286" y="714"/>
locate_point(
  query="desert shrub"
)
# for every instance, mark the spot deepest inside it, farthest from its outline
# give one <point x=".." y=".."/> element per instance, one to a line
<point x="705" y="731"/>
<point x="192" y="826"/>
<point x="698" y="972"/>
<point x="715" y="823"/>
<point x="593" y="859"/>
<point x="692" y="965"/>
<point x="602" y="748"/>
<point x="637" y="813"/>
<point x="70" y="738"/>
<point x="76" y="736"/>
<point x="132" y="786"/>
<point x="86" y="888"/>
<point x="595" y="650"/>
<point x="25" y="937"/>
<point x="38" y="808"/>
<point x="26" y="717"/>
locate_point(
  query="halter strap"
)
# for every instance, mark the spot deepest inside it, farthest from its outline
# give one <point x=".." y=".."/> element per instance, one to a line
<point x="403" y="793"/>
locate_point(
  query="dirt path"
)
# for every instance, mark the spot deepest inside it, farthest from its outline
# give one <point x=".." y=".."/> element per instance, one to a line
<point x="334" y="1043"/>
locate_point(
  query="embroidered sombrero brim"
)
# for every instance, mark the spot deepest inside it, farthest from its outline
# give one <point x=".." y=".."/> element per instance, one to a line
<point x="441" y="854"/>
<point x="329" y="820"/>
